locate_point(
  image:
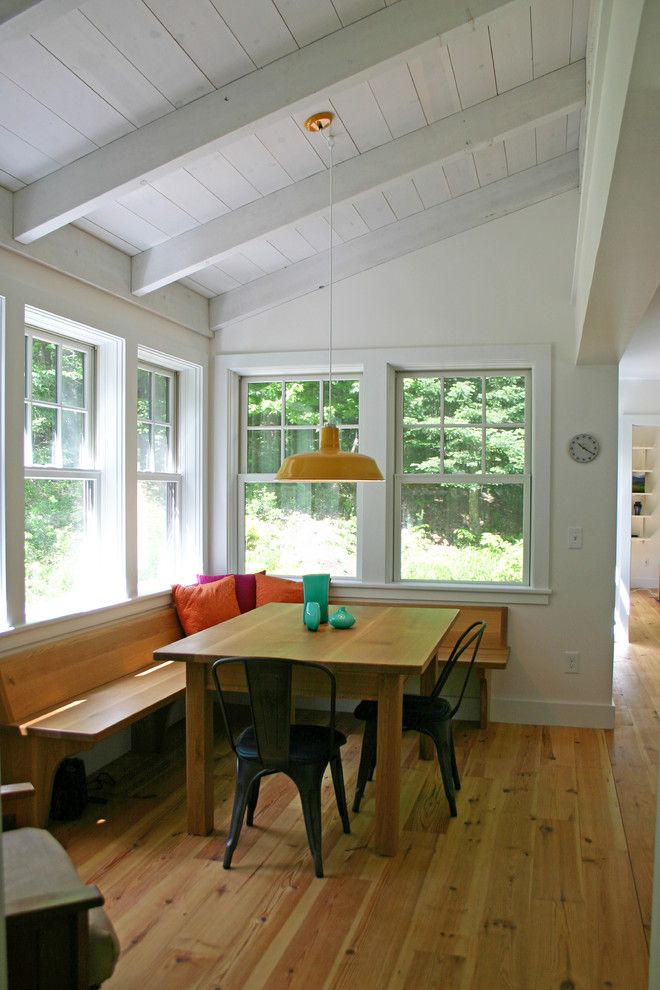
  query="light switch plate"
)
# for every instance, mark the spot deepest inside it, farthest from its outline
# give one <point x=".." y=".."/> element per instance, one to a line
<point x="575" y="537"/>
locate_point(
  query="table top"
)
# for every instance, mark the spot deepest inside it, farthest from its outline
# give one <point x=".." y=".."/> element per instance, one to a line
<point x="397" y="639"/>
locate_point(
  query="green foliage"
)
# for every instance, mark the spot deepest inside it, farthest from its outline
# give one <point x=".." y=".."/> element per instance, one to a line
<point x="156" y="505"/>
<point x="296" y="529"/>
<point x="490" y="559"/>
<point x="54" y="525"/>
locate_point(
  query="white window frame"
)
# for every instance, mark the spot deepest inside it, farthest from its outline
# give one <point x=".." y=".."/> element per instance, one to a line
<point x="173" y="475"/>
<point x="477" y="478"/>
<point x="244" y="477"/>
<point x="377" y="368"/>
<point x="106" y="445"/>
<point x="3" y="470"/>
<point x="189" y="466"/>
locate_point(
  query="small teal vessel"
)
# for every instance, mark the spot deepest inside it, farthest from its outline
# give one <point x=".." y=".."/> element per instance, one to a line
<point x="342" y="619"/>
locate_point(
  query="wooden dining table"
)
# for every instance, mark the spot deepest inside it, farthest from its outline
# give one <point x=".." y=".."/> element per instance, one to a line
<point x="373" y="659"/>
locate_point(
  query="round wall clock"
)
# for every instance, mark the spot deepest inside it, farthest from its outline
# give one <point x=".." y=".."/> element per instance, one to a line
<point x="584" y="447"/>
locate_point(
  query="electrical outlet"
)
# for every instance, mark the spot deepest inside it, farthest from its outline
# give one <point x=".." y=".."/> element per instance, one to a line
<point x="572" y="662"/>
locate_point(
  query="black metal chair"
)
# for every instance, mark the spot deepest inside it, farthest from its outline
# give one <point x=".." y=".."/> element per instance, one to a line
<point x="429" y="714"/>
<point x="272" y="744"/>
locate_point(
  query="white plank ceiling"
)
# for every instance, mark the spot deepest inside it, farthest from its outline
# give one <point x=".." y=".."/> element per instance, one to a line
<point x="102" y="71"/>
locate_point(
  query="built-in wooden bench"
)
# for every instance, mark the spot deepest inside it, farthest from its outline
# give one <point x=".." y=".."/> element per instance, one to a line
<point x="493" y="653"/>
<point x="62" y="696"/>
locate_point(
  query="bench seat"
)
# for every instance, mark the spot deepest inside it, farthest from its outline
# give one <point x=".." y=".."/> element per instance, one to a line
<point x="112" y="706"/>
<point x="62" y="696"/>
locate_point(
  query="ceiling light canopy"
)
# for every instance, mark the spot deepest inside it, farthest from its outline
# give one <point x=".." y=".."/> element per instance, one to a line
<point x="328" y="463"/>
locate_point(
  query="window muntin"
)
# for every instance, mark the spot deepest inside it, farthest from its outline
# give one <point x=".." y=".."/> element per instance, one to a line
<point x="159" y="481"/>
<point x="155" y="419"/>
<point x="58" y="402"/>
<point x="463" y="483"/>
<point x="295" y="528"/>
<point x="61" y="482"/>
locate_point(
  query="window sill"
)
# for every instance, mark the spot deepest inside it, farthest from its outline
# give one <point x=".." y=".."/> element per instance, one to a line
<point x="15" y="637"/>
<point x="425" y="591"/>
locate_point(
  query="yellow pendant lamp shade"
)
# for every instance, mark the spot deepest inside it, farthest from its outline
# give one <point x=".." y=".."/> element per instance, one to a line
<point x="329" y="463"/>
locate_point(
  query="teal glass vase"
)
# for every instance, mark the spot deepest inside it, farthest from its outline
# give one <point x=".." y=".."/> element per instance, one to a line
<point x="316" y="588"/>
<point x="312" y="616"/>
<point x="342" y="619"/>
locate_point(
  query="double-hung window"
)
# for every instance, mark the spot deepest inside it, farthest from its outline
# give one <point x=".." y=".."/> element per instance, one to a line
<point x="61" y="479"/>
<point x="159" y="480"/>
<point x="301" y="527"/>
<point x="463" y="477"/>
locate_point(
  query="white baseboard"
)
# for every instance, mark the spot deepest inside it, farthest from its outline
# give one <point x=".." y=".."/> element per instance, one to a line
<point x="519" y="711"/>
<point x="643" y="582"/>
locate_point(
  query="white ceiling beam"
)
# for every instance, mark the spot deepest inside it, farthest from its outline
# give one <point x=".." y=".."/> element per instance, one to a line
<point x="457" y="215"/>
<point x="625" y="267"/>
<point x="75" y="253"/>
<point x="553" y="95"/>
<point x="19" y="18"/>
<point x="260" y="98"/>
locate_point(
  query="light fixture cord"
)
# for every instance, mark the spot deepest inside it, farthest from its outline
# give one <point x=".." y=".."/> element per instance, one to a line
<point x="330" y="141"/>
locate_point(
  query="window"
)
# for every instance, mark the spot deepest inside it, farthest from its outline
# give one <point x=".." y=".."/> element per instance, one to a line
<point x="61" y="480"/>
<point x="295" y="528"/>
<point x="463" y="481"/>
<point x="159" y="483"/>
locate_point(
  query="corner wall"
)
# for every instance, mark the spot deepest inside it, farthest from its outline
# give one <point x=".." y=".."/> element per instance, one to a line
<point x="505" y="283"/>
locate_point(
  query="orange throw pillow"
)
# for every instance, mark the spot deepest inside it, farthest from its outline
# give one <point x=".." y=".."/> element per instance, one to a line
<point x="272" y="589"/>
<point x="202" y="605"/>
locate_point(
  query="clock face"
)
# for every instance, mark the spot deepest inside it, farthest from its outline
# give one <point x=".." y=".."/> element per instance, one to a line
<point x="584" y="448"/>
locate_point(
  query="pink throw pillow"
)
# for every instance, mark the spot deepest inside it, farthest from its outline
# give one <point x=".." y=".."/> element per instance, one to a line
<point x="246" y="588"/>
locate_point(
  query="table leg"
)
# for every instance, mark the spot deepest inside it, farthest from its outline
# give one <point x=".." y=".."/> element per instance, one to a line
<point x="484" y="694"/>
<point x="199" y="750"/>
<point x="388" y="766"/>
<point x="427" y="683"/>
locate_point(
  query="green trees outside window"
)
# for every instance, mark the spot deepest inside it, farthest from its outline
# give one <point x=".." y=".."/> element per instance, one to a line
<point x="463" y="480"/>
<point x="299" y="528"/>
<point x="60" y="481"/>
<point x="159" y="484"/>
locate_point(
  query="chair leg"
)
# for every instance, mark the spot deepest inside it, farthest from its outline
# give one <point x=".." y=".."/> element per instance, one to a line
<point x="253" y="797"/>
<point x="340" y="791"/>
<point x="454" y="765"/>
<point x="367" y="761"/>
<point x="308" y="781"/>
<point x="245" y="774"/>
<point x="441" y="738"/>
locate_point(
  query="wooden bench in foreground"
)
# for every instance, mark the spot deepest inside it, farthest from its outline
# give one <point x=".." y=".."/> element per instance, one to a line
<point x="62" y="696"/>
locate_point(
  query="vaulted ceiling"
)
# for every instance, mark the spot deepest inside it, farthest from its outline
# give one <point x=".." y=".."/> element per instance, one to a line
<point x="173" y="130"/>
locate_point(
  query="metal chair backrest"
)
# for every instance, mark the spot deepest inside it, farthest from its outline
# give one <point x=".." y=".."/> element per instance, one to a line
<point x="269" y="683"/>
<point x="470" y="637"/>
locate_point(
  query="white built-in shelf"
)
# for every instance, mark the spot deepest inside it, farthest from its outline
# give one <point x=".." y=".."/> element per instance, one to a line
<point x="638" y="521"/>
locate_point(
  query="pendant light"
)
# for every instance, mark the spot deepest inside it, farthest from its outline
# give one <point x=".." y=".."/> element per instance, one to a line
<point x="328" y="463"/>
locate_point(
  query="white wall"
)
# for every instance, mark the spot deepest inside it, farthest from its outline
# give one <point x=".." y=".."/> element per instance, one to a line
<point x="505" y="283"/>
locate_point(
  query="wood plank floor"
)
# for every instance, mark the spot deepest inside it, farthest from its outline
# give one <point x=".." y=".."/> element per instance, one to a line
<point x="543" y="880"/>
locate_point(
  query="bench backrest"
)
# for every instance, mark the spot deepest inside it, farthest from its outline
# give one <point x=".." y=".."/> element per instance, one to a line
<point x="48" y="674"/>
<point x="495" y="617"/>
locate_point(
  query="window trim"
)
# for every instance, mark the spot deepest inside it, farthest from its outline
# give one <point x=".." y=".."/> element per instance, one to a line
<point x="244" y="477"/>
<point x="190" y="463"/>
<point x="477" y="478"/>
<point x="171" y="477"/>
<point x="378" y="367"/>
<point x="106" y="446"/>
